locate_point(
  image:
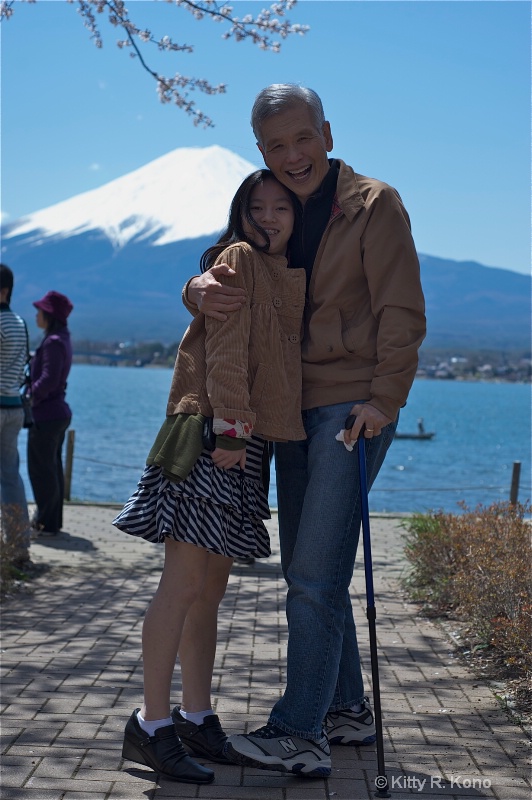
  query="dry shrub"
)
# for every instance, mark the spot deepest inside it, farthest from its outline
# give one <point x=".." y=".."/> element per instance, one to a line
<point x="429" y="550"/>
<point x="478" y="564"/>
<point x="12" y="543"/>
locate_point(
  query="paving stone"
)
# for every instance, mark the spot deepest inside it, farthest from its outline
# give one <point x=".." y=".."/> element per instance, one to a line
<point x="512" y="792"/>
<point x="54" y="767"/>
<point x="15" y="775"/>
<point x="16" y="793"/>
<point x="85" y="796"/>
<point x="240" y="793"/>
<point x="70" y="784"/>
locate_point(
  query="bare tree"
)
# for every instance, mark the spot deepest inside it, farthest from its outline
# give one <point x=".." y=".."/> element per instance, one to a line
<point x="266" y="30"/>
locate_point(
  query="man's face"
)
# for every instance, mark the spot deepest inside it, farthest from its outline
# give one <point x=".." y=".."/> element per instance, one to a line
<point x="296" y="150"/>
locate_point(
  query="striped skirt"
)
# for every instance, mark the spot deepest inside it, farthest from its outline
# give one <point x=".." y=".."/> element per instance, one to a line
<point x="217" y="509"/>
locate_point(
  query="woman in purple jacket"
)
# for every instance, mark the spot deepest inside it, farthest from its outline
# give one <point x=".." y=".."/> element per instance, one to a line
<point x="49" y="371"/>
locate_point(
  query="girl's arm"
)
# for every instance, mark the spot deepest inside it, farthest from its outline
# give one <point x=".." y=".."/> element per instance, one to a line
<point x="226" y="350"/>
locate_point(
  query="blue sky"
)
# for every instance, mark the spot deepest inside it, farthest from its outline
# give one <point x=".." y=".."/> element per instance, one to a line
<point x="432" y="97"/>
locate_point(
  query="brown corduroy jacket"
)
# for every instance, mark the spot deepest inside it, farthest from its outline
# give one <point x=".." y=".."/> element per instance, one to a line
<point x="249" y="366"/>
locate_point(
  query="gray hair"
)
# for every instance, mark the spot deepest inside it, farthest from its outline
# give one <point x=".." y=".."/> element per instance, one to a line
<point x="280" y="97"/>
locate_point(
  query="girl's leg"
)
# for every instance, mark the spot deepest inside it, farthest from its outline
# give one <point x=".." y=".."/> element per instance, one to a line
<point x="198" y="641"/>
<point x="182" y="584"/>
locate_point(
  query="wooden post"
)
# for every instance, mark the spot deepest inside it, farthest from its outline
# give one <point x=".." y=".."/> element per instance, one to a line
<point x="69" y="462"/>
<point x="514" y="489"/>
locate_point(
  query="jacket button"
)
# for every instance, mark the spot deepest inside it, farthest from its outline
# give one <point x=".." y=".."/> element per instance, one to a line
<point x="276" y="274"/>
<point x="293" y="338"/>
<point x="330" y="348"/>
<point x="277" y="302"/>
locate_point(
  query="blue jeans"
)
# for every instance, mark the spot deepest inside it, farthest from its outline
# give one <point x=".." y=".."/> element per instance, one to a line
<point x="319" y="524"/>
<point x="15" y="520"/>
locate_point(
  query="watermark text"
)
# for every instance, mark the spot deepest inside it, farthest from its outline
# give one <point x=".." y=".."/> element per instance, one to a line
<point x="418" y="784"/>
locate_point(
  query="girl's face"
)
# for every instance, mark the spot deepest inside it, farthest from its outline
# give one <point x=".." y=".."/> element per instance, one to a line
<point x="271" y="208"/>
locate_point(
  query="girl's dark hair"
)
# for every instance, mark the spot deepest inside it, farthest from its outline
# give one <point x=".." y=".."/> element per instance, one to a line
<point x="240" y="211"/>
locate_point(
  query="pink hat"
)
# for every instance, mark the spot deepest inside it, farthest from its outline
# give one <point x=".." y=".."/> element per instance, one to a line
<point x="56" y="304"/>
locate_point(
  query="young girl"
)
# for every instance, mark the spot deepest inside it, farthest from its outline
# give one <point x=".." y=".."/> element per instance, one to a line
<point x="236" y="383"/>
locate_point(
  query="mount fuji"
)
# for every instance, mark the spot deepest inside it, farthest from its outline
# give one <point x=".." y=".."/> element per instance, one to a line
<point x="183" y="195"/>
<point x="123" y="251"/>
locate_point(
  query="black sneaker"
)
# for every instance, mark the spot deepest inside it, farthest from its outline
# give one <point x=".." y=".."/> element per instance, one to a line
<point x="271" y="748"/>
<point x="206" y="740"/>
<point x="163" y="753"/>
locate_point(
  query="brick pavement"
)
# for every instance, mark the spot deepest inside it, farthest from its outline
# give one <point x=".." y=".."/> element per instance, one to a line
<point x="72" y="673"/>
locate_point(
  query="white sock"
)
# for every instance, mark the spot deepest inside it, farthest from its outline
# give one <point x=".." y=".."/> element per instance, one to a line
<point x="357" y="708"/>
<point x="197" y="717"/>
<point x="151" y="725"/>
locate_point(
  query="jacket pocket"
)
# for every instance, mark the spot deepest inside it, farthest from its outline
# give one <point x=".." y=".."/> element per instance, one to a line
<point x="259" y="384"/>
<point x="359" y="336"/>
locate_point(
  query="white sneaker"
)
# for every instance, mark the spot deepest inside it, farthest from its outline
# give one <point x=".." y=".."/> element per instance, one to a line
<point x="351" y="727"/>
<point x="271" y="748"/>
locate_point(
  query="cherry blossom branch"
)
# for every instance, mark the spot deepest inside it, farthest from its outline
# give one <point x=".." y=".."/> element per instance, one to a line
<point x="264" y="30"/>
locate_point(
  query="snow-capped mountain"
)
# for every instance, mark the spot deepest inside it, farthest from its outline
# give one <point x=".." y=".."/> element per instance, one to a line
<point x="184" y="194"/>
<point x="122" y="253"/>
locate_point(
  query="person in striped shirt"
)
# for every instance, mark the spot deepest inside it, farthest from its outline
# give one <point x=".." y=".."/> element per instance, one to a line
<point x="15" y="524"/>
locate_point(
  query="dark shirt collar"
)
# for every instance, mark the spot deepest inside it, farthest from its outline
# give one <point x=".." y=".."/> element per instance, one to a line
<point x="312" y="220"/>
<point x="4" y="307"/>
<point x="327" y="188"/>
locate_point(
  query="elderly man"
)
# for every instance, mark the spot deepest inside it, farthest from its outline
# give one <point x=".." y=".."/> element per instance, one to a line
<point x="364" y="325"/>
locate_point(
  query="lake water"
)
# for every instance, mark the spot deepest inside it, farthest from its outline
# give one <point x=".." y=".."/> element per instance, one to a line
<point x="481" y="429"/>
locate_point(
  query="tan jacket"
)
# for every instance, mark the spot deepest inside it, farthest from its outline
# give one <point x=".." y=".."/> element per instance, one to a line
<point x="365" y="319"/>
<point x="248" y="367"/>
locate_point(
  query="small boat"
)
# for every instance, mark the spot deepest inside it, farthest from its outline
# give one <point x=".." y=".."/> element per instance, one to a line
<point x="421" y="432"/>
<point x="427" y="435"/>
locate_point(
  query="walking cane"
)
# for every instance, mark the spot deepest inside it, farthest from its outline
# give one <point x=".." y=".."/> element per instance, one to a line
<point x="381" y="781"/>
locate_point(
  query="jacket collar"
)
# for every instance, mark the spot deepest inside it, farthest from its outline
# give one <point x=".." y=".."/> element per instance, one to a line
<point x="348" y="194"/>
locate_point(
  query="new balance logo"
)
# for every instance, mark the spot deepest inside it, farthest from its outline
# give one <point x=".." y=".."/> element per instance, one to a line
<point x="288" y="745"/>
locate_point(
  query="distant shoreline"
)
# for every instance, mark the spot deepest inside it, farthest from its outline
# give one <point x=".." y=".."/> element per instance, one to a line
<point x="124" y="364"/>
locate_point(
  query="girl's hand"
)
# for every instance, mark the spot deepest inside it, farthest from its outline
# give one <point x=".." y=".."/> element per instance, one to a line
<point x="225" y="459"/>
